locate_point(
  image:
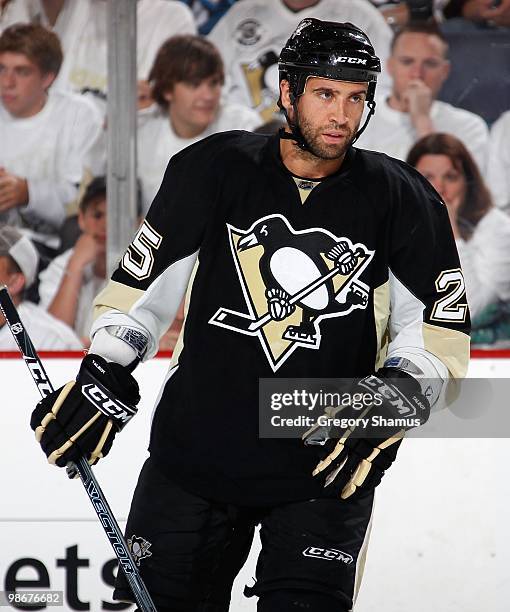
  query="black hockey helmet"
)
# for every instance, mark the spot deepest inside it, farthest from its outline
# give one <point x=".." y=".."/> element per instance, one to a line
<point x="330" y="50"/>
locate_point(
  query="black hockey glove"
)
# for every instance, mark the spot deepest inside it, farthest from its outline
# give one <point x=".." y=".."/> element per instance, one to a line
<point x="82" y="417"/>
<point x="358" y="453"/>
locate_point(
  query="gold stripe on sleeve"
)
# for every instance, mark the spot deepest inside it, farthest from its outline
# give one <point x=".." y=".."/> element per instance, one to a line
<point x="116" y="296"/>
<point x="381" y="315"/>
<point x="179" y="345"/>
<point x="448" y="345"/>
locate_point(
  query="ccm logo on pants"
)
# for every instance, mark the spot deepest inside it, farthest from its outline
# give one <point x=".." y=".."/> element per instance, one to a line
<point x="328" y="554"/>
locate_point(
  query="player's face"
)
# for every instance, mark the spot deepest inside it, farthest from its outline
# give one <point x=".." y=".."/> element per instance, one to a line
<point x="446" y="179"/>
<point x="329" y="114"/>
<point x="193" y="106"/>
<point x="22" y="85"/>
<point x="418" y="57"/>
<point x="93" y="221"/>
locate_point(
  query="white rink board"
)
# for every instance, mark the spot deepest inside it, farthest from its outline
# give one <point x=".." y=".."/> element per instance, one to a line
<point x="440" y="541"/>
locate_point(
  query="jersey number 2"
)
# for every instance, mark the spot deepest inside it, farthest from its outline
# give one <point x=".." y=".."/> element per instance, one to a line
<point x="448" y="308"/>
<point x="139" y="257"/>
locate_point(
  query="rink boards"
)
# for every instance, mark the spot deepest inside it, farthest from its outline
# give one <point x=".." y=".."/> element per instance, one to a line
<point x="440" y="537"/>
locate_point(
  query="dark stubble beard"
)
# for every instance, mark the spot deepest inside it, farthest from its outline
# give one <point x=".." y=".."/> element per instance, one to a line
<point x="320" y="149"/>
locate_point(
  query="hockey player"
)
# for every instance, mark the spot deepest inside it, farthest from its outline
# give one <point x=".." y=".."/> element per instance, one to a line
<point x="308" y="258"/>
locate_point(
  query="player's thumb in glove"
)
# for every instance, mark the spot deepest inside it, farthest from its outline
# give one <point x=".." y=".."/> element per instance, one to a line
<point x="82" y="417"/>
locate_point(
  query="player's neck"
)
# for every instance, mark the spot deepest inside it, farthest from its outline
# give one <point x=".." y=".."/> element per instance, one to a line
<point x="302" y="163"/>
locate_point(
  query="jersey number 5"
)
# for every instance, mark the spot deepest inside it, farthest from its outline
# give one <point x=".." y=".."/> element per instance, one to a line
<point x="139" y="257"/>
<point x="447" y="308"/>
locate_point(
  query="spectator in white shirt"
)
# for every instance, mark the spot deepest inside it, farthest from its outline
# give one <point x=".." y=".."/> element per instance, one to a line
<point x="82" y="24"/>
<point x="186" y="79"/>
<point x="18" y="269"/>
<point x="72" y="280"/>
<point x="419" y="66"/>
<point x="498" y="165"/>
<point x="45" y="137"/>
<point x="481" y="231"/>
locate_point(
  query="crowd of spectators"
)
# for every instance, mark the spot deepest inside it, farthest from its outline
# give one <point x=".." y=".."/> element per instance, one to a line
<point x="206" y="66"/>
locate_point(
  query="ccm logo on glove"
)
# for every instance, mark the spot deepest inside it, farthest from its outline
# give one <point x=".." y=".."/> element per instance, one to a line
<point x="83" y="417"/>
<point x="101" y="401"/>
<point x="403" y="405"/>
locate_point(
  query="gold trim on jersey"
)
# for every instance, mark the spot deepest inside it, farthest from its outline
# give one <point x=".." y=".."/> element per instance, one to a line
<point x="305" y="187"/>
<point x="450" y="346"/>
<point x="362" y="556"/>
<point x="116" y="296"/>
<point x="381" y="316"/>
<point x="179" y="345"/>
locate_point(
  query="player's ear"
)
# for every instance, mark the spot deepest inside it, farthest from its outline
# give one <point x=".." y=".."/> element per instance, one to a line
<point x="285" y="94"/>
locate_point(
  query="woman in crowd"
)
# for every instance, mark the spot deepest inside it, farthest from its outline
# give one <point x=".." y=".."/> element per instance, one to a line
<point x="482" y="232"/>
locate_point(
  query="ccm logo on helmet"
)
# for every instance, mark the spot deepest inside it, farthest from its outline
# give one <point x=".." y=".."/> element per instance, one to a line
<point x="117" y="410"/>
<point x="351" y="60"/>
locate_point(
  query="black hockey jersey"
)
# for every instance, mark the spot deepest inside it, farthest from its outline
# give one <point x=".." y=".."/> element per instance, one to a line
<point x="266" y="299"/>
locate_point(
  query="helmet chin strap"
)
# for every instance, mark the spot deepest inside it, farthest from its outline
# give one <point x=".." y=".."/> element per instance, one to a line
<point x="296" y="134"/>
<point x="295" y="131"/>
<point x="371" y="107"/>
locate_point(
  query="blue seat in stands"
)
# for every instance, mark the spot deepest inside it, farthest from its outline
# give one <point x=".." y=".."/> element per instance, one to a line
<point x="479" y="80"/>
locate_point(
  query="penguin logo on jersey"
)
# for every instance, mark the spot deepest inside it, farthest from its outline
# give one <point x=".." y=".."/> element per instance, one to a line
<point x="139" y="548"/>
<point x="291" y="281"/>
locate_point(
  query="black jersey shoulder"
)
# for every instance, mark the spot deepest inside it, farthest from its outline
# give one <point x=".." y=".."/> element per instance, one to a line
<point x="395" y="178"/>
<point x="202" y="166"/>
<point x="222" y="146"/>
<point x="403" y="196"/>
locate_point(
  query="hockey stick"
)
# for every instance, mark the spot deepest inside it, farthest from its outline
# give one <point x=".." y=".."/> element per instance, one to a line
<point x="244" y="323"/>
<point x="96" y="496"/>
